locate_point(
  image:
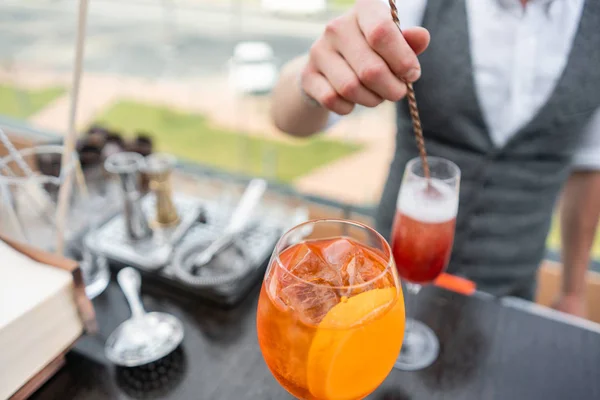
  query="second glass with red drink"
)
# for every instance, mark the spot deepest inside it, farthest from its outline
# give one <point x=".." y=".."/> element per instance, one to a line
<point x="422" y="239"/>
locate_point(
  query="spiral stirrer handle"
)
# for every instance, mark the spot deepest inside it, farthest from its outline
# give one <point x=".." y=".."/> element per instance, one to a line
<point x="412" y="106"/>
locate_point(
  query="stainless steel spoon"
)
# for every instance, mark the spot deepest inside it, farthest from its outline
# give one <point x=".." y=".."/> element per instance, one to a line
<point x="145" y="337"/>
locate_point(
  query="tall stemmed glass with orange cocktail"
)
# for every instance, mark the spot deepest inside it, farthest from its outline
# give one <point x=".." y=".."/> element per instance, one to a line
<point x="422" y="239"/>
<point x="331" y="312"/>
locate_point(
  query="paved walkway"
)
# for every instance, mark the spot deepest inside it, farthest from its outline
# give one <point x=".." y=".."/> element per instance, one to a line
<point x="356" y="179"/>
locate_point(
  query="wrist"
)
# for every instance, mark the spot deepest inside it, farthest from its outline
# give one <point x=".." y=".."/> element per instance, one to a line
<point x="574" y="272"/>
<point x="572" y="288"/>
<point x="577" y="295"/>
<point x="571" y="303"/>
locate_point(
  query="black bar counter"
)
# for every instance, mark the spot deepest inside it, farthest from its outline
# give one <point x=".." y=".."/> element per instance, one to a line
<point x="488" y="351"/>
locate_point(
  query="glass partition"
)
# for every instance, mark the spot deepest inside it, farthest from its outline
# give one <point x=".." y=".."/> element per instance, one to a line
<point x="191" y="78"/>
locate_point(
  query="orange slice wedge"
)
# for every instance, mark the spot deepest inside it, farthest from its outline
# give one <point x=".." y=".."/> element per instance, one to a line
<point x="355" y="345"/>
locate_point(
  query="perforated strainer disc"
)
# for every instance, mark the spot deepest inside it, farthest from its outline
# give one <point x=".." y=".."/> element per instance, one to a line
<point x="227" y="266"/>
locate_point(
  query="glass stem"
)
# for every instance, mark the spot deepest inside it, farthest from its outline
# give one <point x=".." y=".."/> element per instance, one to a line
<point x="412" y="290"/>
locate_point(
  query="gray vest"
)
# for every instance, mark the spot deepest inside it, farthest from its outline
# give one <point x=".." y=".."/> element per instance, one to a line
<point x="507" y="194"/>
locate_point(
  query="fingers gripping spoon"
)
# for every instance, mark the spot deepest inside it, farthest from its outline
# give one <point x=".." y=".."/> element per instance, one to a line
<point x="145" y="337"/>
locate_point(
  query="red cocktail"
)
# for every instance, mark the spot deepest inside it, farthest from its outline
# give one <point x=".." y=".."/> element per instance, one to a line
<point x="422" y="238"/>
<point x="424" y="231"/>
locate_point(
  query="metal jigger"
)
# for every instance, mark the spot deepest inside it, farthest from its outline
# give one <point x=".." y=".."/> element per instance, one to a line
<point x="158" y="168"/>
<point x="127" y="166"/>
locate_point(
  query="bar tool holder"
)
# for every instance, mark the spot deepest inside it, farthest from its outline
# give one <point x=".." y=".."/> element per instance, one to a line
<point x="126" y="166"/>
<point x="150" y="254"/>
<point x="158" y="168"/>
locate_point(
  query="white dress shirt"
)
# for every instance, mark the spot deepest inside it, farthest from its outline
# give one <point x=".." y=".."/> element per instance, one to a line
<point x="519" y="54"/>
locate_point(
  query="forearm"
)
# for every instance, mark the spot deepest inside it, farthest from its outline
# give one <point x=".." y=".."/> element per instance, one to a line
<point x="580" y="212"/>
<point x="291" y="113"/>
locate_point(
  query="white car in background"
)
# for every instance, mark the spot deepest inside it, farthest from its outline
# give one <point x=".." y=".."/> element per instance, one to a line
<point x="253" y="68"/>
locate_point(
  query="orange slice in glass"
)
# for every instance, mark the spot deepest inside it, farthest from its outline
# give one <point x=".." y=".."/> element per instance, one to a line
<point x="355" y="345"/>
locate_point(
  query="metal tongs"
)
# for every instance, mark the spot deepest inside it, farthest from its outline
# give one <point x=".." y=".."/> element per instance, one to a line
<point x="238" y="222"/>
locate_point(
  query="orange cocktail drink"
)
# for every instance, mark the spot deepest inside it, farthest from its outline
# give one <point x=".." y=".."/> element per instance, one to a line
<point x="331" y="312"/>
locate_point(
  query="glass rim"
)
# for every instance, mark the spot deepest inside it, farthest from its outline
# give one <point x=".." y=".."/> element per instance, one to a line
<point x="456" y="169"/>
<point x="389" y="265"/>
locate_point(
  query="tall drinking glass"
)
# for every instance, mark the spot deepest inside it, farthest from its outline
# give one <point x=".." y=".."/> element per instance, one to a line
<point x="330" y="315"/>
<point x="422" y="238"/>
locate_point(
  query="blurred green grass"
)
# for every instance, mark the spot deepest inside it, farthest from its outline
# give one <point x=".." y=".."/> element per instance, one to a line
<point x="192" y="137"/>
<point x="342" y="3"/>
<point x="22" y="103"/>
